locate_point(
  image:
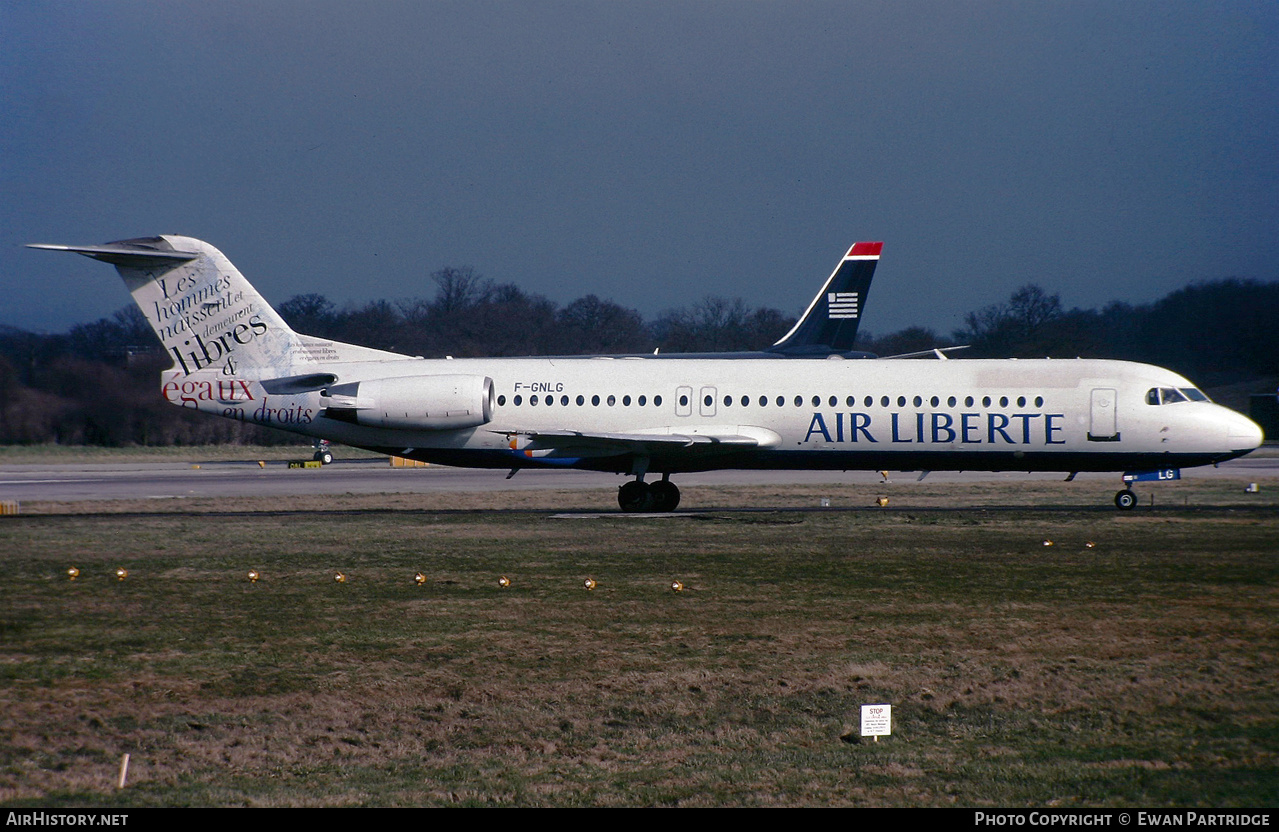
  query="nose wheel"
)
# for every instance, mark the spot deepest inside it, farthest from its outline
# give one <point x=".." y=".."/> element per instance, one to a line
<point x="637" y="495"/>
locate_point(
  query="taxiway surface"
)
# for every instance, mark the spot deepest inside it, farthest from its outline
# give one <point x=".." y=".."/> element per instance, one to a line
<point x="158" y="480"/>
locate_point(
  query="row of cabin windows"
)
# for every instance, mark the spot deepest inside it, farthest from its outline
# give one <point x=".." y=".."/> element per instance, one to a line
<point x="869" y="401"/>
<point x="762" y="401"/>
<point x="581" y="400"/>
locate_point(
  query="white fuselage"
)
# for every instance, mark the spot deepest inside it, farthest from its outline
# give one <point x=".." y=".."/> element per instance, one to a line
<point x="909" y="414"/>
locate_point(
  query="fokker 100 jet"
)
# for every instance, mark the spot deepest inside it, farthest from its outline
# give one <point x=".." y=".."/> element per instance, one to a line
<point x="651" y="417"/>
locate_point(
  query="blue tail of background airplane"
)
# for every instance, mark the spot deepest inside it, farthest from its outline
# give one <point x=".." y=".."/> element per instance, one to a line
<point x="829" y="324"/>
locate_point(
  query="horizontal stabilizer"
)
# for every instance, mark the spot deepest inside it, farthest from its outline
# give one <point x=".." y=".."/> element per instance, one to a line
<point x="134" y="253"/>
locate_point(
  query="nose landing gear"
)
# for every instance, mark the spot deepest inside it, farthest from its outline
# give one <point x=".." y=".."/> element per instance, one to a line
<point x="638" y="495"/>
<point x="1127" y="499"/>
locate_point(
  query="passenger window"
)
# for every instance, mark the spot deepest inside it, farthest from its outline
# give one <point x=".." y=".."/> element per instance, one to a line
<point x="501" y="400"/>
<point x="657" y="401"/>
<point x="683" y="401"/>
<point x="985" y="401"/>
<point x="763" y="401"/>
<point x="518" y="400"/>
<point x="564" y="400"/>
<point x="595" y="401"/>
<point x="612" y="400"/>
<point x="968" y="401"/>
<point x="851" y="401"/>
<point x="799" y="401"/>
<point x="643" y="400"/>
<point x="901" y="401"/>
<point x="1003" y="401"/>
<point x="746" y="400"/>
<point x="817" y="401"/>
<point x="918" y="401"/>
<point x="868" y="401"/>
<point x="781" y="401"/>
<point x="532" y="399"/>
<point x="951" y="401"/>
<point x="728" y="401"/>
<point x="581" y="400"/>
<point x="626" y="401"/>
<point x="1039" y="401"/>
<point x="883" y="401"/>
<point x="934" y="401"/>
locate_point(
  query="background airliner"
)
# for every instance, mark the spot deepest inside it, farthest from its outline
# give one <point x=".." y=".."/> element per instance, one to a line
<point x="647" y="417"/>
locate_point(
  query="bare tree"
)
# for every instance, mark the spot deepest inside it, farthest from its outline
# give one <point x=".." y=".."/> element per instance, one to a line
<point x="458" y="289"/>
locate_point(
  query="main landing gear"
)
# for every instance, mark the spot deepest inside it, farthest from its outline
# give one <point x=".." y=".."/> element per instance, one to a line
<point x="1125" y="500"/>
<point x="322" y="453"/>
<point x="638" y="495"/>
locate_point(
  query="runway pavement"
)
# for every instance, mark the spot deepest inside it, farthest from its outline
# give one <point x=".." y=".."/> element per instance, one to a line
<point x="142" y="480"/>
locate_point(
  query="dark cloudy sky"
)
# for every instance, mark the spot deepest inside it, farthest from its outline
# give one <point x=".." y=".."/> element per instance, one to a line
<point x="652" y="153"/>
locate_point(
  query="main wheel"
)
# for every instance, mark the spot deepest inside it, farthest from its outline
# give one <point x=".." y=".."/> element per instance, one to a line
<point x="1125" y="499"/>
<point x="323" y="457"/>
<point x="665" y="495"/>
<point x="634" y="496"/>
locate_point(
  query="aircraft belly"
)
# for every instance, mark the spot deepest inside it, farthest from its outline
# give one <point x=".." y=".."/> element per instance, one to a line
<point x="868" y="460"/>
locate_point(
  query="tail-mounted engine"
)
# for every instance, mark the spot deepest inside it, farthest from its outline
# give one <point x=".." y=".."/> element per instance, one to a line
<point x="442" y="402"/>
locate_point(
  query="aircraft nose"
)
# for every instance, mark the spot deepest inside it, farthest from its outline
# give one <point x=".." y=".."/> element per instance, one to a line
<point x="1243" y="433"/>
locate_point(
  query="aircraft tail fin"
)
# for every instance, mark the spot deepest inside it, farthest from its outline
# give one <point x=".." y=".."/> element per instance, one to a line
<point x="206" y="313"/>
<point x="829" y="324"/>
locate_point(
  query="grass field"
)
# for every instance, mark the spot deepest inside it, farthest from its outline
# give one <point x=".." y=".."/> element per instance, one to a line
<point x="1138" y="672"/>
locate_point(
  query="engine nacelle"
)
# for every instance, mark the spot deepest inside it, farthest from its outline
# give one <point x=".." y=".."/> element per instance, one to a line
<point x="441" y="402"/>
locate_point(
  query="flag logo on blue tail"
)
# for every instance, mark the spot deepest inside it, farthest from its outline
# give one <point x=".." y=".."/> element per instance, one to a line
<point x="841" y="304"/>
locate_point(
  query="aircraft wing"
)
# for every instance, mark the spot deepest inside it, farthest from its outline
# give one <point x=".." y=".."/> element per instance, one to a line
<point x="668" y="440"/>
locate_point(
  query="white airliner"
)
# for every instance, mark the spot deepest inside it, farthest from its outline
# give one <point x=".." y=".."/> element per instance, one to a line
<point x="651" y="417"/>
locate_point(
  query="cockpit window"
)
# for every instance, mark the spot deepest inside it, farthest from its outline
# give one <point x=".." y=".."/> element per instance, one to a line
<point x="1172" y="395"/>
